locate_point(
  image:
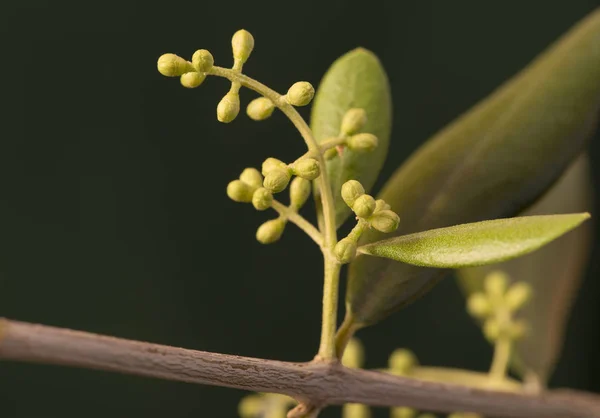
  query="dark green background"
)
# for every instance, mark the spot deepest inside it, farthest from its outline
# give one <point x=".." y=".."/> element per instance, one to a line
<point x="113" y="213"/>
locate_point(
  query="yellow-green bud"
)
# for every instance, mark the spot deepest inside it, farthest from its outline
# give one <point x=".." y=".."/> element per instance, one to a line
<point x="262" y="199"/>
<point x="354" y="354"/>
<point x="356" y="410"/>
<point x="478" y="305"/>
<point x="301" y="93"/>
<point x="229" y="107"/>
<point x="353" y="121"/>
<point x="242" y="44"/>
<point x="345" y="250"/>
<point x="171" y="65"/>
<point x="299" y="192"/>
<point x="330" y="154"/>
<point x="251" y="406"/>
<point x="381" y="205"/>
<point x="239" y="191"/>
<point x="271" y="164"/>
<point x="307" y="168"/>
<point x="385" y="221"/>
<point x="362" y="142"/>
<point x="251" y="177"/>
<point x="202" y="60"/>
<point x="491" y="329"/>
<point x="277" y="180"/>
<point x="403" y="412"/>
<point x="517" y="296"/>
<point x="364" y="206"/>
<point x="270" y="231"/>
<point x="192" y="79"/>
<point x="495" y="283"/>
<point x="352" y="190"/>
<point x="260" y="109"/>
<point x="402" y="361"/>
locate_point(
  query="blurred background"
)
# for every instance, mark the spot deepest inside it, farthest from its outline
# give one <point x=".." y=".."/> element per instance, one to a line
<point x="113" y="212"/>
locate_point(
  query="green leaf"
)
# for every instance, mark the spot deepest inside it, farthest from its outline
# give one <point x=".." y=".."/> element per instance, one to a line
<point x="475" y="244"/>
<point x="355" y="80"/>
<point x="492" y="162"/>
<point x="554" y="272"/>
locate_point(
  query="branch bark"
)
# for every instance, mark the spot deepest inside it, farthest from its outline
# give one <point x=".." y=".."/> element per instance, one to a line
<point x="317" y="383"/>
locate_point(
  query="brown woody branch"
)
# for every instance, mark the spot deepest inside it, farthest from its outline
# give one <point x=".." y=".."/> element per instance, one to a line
<point x="317" y="383"/>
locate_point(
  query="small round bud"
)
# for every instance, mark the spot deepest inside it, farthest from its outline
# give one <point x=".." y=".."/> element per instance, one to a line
<point x="495" y="283"/>
<point x="491" y="329"/>
<point x="239" y="191"/>
<point x="353" y="121"/>
<point x="364" y="206"/>
<point x="171" y="65"/>
<point x="307" y="168"/>
<point x="262" y="199"/>
<point x="260" y="109"/>
<point x="271" y="164"/>
<point x="242" y="44"/>
<point x="251" y="406"/>
<point x="270" y="231"/>
<point x="203" y="60"/>
<point x="517" y="296"/>
<point x="301" y="93"/>
<point x="352" y="190"/>
<point x="229" y="107"/>
<point x="362" y="142"/>
<point x="402" y="361"/>
<point x="251" y="177"/>
<point x="277" y="180"/>
<point x="192" y="79"/>
<point x="478" y="305"/>
<point x="354" y="354"/>
<point x="330" y="154"/>
<point x="517" y="330"/>
<point x="299" y="192"/>
<point x="355" y="410"/>
<point x="403" y="412"/>
<point x="345" y="250"/>
<point x="381" y="205"/>
<point x="385" y="221"/>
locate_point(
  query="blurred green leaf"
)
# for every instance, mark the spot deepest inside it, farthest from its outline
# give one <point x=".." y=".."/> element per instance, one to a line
<point x="355" y="80"/>
<point x="493" y="162"/>
<point x="554" y="273"/>
<point x="475" y="244"/>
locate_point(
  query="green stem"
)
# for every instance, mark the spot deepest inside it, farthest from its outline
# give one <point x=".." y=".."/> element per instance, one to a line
<point x="297" y="219"/>
<point x="344" y="333"/>
<point x="332" y="142"/>
<point x="332" y="267"/>
<point x="501" y="358"/>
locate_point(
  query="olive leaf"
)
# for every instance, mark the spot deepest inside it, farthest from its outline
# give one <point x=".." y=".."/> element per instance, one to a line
<point x="493" y="162"/>
<point x="355" y="80"/>
<point x="554" y="273"/>
<point x="475" y="244"/>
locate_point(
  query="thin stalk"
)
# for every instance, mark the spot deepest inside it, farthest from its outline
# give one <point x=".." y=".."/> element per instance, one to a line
<point x="501" y="358"/>
<point x="297" y="219"/>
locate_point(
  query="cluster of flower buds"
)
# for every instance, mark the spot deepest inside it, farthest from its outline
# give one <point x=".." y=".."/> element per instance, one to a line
<point x="191" y="74"/>
<point x="353" y="122"/>
<point x="248" y="188"/>
<point x="265" y="405"/>
<point x="278" y="174"/>
<point x="497" y="305"/>
<point x="370" y="213"/>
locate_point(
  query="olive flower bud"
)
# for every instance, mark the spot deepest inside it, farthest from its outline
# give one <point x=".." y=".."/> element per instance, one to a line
<point x="299" y="192"/>
<point x="271" y="164"/>
<point x="345" y="250"/>
<point x="385" y="221"/>
<point x="229" y="107"/>
<point x="270" y="231"/>
<point x="260" y="109"/>
<point x="356" y="410"/>
<point x="262" y="199"/>
<point x="352" y="190"/>
<point x="192" y="79"/>
<point x="517" y="296"/>
<point x="250" y="406"/>
<point x="307" y="168"/>
<point x="364" y="206"/>
<point x="203" y="60"/>
<point x="354" y="354"/>
<point x="403" y="412"/>
<point x="301" y="93"/>
<point x="402" y="361"/>
<point x="381" y="205"/>
<point x="330" y="154"/>
<point x="277" y="180"/>
<point x="495" y="283"/>
<point x="478" y="305"/>
<point x="251" y="177"/>
<point x="171" y="65"/>
<point x="491" y="329"/>
<point x="242" y="44"/>
<point x="239" y="191"/>
<point x="362" y="142"/>
<point x="353" y="121"/>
